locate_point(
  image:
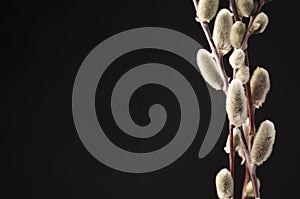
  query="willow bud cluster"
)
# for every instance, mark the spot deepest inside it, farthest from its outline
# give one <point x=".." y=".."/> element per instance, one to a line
<point x="245" y="91"/>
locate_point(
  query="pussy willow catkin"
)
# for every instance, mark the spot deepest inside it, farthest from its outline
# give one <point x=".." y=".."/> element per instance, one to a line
<point x="224" y="184"/>
<point x="245" y="7"/>
<point x="207" y="10"/>
<point x="263" y="142"/>
<point x="209" y="69"/>
<point x="249" y="188"/>
<point x="237" y="34"/>
<point x="232" y="30"/>
<point x="260" y="23"/>
<point x="236" y="103"/>
<point x="260" y="86"/>
<point x="237" y="58"/>
<point x="243" y="74"/>
<point x="221" y="32"/>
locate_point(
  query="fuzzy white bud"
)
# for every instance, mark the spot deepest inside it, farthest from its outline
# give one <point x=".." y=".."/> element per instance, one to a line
<point x="237" y="34"/>
<point x="243" y="74"/>
<point x="245" y="7"/>
<point x="260" y="86"/>
<point x="236" y="103"/>
<point x="249" y="188"/>
<point x="209" y="69"/>
<point x="263" y="143"/>
<point x="207" y="10"/>
<point x="260" y="23"/>
<point x="237" y="58"/>
<point x="221" y="32"/>
<point x="224" y="184"/>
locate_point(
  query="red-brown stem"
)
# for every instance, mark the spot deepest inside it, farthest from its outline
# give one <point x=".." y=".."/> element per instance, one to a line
<point x="231" y="154"/>
<point x="246" y="180"/>
<point x="248" y="34"/>
<point x="249" y="99"/>
<point x="234" y="10"/>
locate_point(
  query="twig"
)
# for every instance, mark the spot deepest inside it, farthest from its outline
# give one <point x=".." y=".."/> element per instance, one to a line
<point x="234" y="10"/>
<point x="246" y="180"/>
<point x="251" y="112"/>
<point x="248" y="32"/>
<point x="251" y="167"/>
<point x="251" y="109"/>
<point x="244" y="45"/>
<point x="249" y="99"/>
<point x="220" y="63"/>
<point x="231" y="155"/>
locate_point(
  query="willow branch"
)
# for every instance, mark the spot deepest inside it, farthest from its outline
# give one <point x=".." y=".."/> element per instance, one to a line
<point x="218" y="57"/>
<point x="250" y="107"/>
<point x="220" y="63"/>
<point x="246" y="180"/>
<point x="251" y="167"/>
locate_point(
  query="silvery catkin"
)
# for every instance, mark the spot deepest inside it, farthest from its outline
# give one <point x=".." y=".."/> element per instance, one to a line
<point x="237" y="58"/>
<point x="221" y="32"/>
<point x="207" y="10"/>
<point x="243" y="74"/>
<point x="260" y="86"/>
<point x="249" y="188"/>
<point x="263" y="143"/>
<point x="245" y="7"/>
<point x="236" y="103"/>
<point x="224" y="184"/>
<point x="260" y="23"/>
<point x="209" y="69"/>
<point x="237" y="34"/>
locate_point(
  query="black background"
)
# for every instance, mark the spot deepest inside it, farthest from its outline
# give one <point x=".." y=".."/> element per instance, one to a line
<point x="43" y="45"/>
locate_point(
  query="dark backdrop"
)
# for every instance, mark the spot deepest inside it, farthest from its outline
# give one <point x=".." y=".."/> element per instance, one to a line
<point x="43" y="45"/>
